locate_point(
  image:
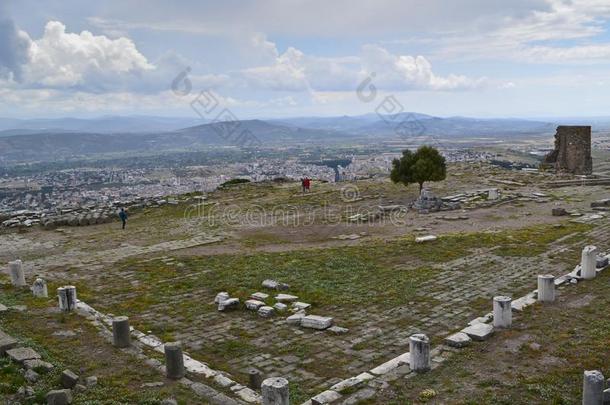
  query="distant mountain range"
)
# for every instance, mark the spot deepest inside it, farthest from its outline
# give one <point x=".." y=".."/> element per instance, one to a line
<point x="49" y="139"/>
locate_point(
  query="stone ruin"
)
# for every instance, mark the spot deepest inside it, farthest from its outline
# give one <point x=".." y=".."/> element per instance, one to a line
<point x="572" y="153"/>
<point x="427" y="202"/>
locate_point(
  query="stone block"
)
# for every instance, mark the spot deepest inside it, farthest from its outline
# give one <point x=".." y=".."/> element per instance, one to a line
<point x="220" y="297"/>
<point x="21" y="354"/>
<point x="337" y="330"/>
<point x="286" y="298"/>
<point x="300" y="306"/>
<point x="91" y="381"/>
<point x="295" y="319"/>
<point x="6" y="343"/>
<point x="254" y="305"/>
<point x="601" y="262"/>
<point x="37" y="364"/>
<point x="259" y="296"/>
<point x="427" y="238"/>
<point x="59" y="397"/>
<point x="266" y="312"/>
<point x="559" y="212"/>
<point x="279" y="307"/>
<point x="316" y="322"/>
<point x="231" y="303"/>
<point x="68" y="379"/>
<point x="275" y="285"/>
<point x="479" y="331"/>
<point x="459" y="340"/>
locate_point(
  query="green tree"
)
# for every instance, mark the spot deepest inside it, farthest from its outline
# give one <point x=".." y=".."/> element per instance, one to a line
<point x="427" y="164"/>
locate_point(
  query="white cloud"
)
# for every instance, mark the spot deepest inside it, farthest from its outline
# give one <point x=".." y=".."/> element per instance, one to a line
<point x="287" y="73"/>
<point x="61" y="59"/>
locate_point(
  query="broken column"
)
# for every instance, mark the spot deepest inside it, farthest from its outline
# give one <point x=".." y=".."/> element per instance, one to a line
<point x="503" y="315"/>
<point x="546" y="288"/>
<point x="67" y="298"/>
<point x="593" y="388"/>
<point x="17" y="276"/>
<point x="256" y="379"/>
<point x="588" y="262"/>
<point x="419" y="353"/>
<point x="275" y="391"/>
<point x="39" y="288"/>
<point x="174" y="361"/>
<point x="121" y="335"/>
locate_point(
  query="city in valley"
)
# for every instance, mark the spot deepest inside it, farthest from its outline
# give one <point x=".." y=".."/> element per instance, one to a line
<point x="304" y="203"/>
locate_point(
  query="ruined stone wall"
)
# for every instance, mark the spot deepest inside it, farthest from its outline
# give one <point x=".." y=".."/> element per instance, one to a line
<point x="572" y="152"/>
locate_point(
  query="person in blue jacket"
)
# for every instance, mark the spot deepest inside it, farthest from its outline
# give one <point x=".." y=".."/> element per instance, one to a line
<point x="123" y="216"/>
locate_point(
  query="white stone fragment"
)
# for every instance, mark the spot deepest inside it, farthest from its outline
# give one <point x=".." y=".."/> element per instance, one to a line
<point x="266" y="311"/>
<point x="479" y="331"/>
<point x="279" y="307"/>
<point x="39" y="288"/>
<point x="220" y="297"/>
<point x="326" y="397"/>
<point x="254" y="305"/>
<point x="427" y="238"/>
<point x="295" y="319"/>
<point x="230" y="303"/>
<point x="259" y="296"/>
<point x="392" y="364"/>
<point x="317" y="322"/>
<point x="459" y="339"/>
<point x="299" y="306"/>
<point x="285" y="298"/>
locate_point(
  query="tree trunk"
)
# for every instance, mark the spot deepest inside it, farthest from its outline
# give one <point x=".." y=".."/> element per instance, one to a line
<point x="421" y="187"/>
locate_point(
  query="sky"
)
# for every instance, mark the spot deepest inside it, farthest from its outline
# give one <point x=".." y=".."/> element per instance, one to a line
<point x="286" y="58"/>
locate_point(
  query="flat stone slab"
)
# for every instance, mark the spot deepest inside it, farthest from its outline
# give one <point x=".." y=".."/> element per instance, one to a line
<point x="6" y="343"/>
<point x="458" y="340"/>
<point x="295" y="319"/>
<point x="259" y="296"/>
<point x="352" y="382"/>
<point x="316" y="322"/>
<point x="392" y="364"/>
<point x="479" y="331"/>
<point x="21" y="354"/>
<point x="327" y="397"/>
<point x="521" y="303"/>
<point x="286" y="298"/>
<point x="300" y="305"/>
<point x="280" y="307"/>
<point x="231" y="303"/>
<point x="254" y="305"/>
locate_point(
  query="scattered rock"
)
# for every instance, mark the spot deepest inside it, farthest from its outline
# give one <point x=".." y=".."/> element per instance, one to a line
<point x="316" y="322"/>
<point x="230" y="303"/>
<point x="285" y="298"/>
<point x="479" y="331"/>
<point x="279" y="307"/>
<point x="300" y="306"/>
<point x="37" y="364"/>
<point x="59" y="397"/>
<point x="259" y="296"/>
<point x="21" y="354"/>
<point x="559" y="212"/>
<point x="31" y="376"/>
<point x="221" y="296"/>
<point x="459" y="339"/>
<point x="68" y="379"/>
<point x="295" y="319"/>
<point x="152" y="385"/>
<point x="254" y="305"/>
<point x="6" y="343"/>
<point x="91" y="381"/>
<point x="266" y="312"/>
<point x="275" y="285"/>
<point x="601" y="262"/>
<point x="427" y="238"/>
<point x="337" y="330"/>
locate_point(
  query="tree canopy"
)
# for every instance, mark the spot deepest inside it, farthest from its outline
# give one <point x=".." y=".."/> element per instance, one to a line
<point x="426" y="164"/>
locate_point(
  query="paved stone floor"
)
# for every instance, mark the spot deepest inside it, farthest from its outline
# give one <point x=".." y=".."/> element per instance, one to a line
<point x="313" y="360"/>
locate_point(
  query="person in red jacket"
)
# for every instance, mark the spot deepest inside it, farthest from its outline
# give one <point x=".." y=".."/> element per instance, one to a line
<point x="307" y="183"/>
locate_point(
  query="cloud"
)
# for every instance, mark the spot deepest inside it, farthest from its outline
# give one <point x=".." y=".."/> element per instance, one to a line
<point x="287" y="73"/>
<point x="14" y="49"/>
<point x="61" y="59"/>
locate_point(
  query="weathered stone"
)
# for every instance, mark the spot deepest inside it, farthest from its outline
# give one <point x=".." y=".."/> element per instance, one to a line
<point x="572" y="151"/>
<point x="295" y="319"/>
<point x="91" y="381"/>
<point x="419" y="353"/>
<point x="31" y="376"/>
<point x="279" y="307"/>
<point x="503" y="315"/>
<point x="300" y="306"/>
<point x="427" y="238"/>
<point x="316" y="322"/>
<point x="559" y="212"/>
<point x="285" y="298"/>
<point x="37" y="364"/>
<point x="254" y="305"/>
<point x="121" y="333"/>
<point x="259" y="296"/>
<point x="39" y="288"/>
<point x="220" y="297"/>
<point x="337" y="330"/>
<point x="169" y="401"/>
<point x="588" y="262"/>
<point x="6" y="343"/>
<point x="255" y="379"/>
<point x="231" y="303"/>
<point x="68" y="379"/>
<point x="174" y="360"/>
<point x="546" y="288"/>
<point x="266" y="311"/>
<point x="607" y="396"/>
<point x="601" y="262"/>
<point x="67" y="298"/>
<point x="275" y="391"/>
<point x="459" y="340"/>
<point x="326" y="397"/>
<point x="59" y="397"/>
<point x="391" y="364"/>
<point x="593" y="388"/>
<point x="352" y="382"/>
<point x="275" y="285"/>
<point x="15" y="269"/>
<point x="21" y="354"/>
<point x="479" y="331"/>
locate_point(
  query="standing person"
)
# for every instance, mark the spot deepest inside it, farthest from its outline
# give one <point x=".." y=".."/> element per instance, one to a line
<point x="123" y="216"/>
<point x="307" y="183"/>
<point x="303" y="185"/>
